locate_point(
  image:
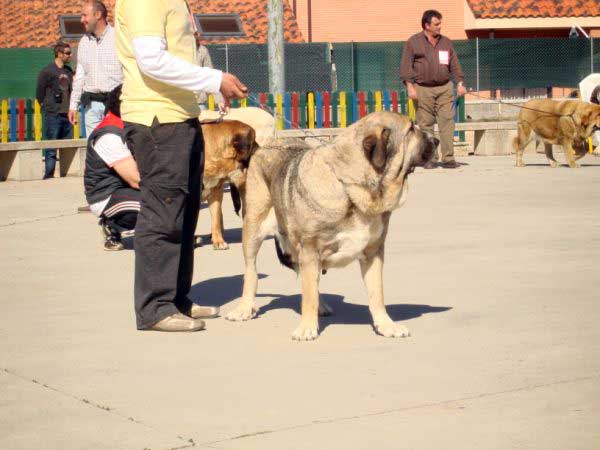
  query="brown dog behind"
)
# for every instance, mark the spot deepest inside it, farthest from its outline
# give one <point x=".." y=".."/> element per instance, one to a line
<point x="228" y="146"/>
<point x="568" y="123"/>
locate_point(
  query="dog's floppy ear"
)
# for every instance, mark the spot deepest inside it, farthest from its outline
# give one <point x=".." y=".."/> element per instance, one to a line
<point x="244" y="143"/>
<point x="375" y="146"/>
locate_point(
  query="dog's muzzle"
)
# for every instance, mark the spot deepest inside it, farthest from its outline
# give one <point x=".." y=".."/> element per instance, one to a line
<point x="429" y="150"/>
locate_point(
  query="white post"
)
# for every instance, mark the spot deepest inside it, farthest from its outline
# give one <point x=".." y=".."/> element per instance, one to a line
<point x="276" y="47"/>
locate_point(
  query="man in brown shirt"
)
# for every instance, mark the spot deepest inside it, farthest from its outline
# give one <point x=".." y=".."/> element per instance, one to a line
<point x="428" y="64"/>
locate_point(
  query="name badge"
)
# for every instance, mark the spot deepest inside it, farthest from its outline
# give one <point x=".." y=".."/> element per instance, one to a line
<point x="444" y="57"/>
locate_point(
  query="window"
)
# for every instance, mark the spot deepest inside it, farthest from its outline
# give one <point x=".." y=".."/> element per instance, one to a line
<point x="213" y="25"/>
<point x="71" y="27"/>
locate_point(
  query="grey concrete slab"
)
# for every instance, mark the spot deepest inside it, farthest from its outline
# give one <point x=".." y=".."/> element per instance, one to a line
<point x="493" y="268"/>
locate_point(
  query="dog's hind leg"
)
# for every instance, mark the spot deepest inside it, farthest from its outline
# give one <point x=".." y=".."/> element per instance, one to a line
<point x="309" y="272"/>
<point x="371" y="268"/>
<point x="520" y="141"/>
<point x="259" y="221"/>
<point x="550" y="155"/>
<point x="215" y="205"/>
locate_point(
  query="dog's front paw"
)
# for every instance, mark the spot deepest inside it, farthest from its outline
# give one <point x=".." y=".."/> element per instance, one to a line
<point x="241" y="314"/>
<point x="306" y="332"/>
<point x="391" y="329"/>
<point x="574" y="165"/>
<point x="554" y="164"/>
<point x="220" y="245"/>
<point x="520" y="164"/>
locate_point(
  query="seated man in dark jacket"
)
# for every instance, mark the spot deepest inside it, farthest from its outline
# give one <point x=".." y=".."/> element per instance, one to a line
<point x="111" y="177"/>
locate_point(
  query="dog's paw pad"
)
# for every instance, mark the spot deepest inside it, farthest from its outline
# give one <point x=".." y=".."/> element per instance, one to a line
<point x="241" y="314"/>
<point x="305" y="333"/>
<point x="220" y="245"/>
<point x="392" y="330"/>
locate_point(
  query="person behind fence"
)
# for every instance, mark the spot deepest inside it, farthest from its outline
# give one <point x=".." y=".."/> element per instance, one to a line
<point x="98" y="68"/>
<point x="53" y="90"/>
<point x="156" y="46"/>
<point x="429" y="61"/>
<point x="203" y="60"/>
<point x="111" y="178"/>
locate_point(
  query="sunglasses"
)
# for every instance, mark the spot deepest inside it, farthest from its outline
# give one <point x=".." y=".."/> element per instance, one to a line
<point x="66" y="53"/>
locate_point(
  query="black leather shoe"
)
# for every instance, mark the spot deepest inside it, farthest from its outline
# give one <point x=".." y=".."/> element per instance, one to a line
<point x="450" y="165"/>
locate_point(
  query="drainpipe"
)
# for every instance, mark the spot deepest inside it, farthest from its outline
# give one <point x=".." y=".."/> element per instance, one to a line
<point x="309" y="7"/>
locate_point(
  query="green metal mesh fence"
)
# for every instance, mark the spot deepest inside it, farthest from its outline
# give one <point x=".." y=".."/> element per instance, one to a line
<point x="488" y="64"/>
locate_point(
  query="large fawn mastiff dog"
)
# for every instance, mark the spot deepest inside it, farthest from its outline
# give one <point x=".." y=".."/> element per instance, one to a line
<point x="329" y="206"/>
<point x="568" y="123"/>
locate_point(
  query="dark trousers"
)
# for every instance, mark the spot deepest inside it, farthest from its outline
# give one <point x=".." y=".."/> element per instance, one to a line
<point x="56" y="126"/>
<point x="170" y="158"/>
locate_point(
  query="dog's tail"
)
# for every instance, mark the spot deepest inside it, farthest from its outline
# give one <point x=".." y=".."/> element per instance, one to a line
<point x="284" y="258"/>
<point x="235" y="198"/>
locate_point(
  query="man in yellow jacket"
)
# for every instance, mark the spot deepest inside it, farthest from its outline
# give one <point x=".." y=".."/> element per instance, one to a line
<point x="156" y="46"/>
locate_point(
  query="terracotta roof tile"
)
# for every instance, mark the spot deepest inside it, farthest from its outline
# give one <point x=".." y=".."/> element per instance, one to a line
<point x="38" y="24"/>
<point x="493" y="9"/>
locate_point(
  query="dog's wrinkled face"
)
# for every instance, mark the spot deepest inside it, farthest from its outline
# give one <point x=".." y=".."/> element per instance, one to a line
<point x="590" y="119"/>
<point x="390" y="135"/>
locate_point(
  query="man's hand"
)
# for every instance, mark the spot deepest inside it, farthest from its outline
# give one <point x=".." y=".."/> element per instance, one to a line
<point x="412" y="91"/>
<point x="461" y="90"/>
<point x="232" y="88"/>
<point x="72" y="116"/>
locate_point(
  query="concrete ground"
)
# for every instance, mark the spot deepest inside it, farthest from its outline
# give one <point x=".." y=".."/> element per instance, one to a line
<point x="494" y="269"/>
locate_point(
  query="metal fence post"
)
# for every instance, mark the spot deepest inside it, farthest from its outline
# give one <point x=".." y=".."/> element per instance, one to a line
<point x="591" y="54"/>
<point x="352" y="65"/>
<point x="477" y="62"/>
<point x="226" y="58"/>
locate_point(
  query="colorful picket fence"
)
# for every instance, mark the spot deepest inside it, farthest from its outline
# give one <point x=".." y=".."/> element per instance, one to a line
<point x="21" y="119"/>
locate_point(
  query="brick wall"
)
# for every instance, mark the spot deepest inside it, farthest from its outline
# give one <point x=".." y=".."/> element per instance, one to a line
<point x="375" y="20"/>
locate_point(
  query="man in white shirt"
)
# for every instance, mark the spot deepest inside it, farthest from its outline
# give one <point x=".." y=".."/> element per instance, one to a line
<point x="112" y="179"/>
<point x="156" y="46"/>
<point x="98" y="68"/>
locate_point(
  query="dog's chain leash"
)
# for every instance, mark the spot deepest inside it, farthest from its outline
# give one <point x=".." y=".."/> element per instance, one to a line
<point x="288" y="122"/>
<point x="308" y="134"/>
<point x="515" y="105"/>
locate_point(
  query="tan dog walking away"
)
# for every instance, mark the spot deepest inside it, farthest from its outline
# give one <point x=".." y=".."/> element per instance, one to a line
<point x="568" y="123"/>
<point x="329" y="206"/>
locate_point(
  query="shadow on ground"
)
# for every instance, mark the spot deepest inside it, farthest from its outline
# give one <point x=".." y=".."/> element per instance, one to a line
<point x="349" y="313"/>
<point x="231" y="236"/>
<point x="219" y="291"/>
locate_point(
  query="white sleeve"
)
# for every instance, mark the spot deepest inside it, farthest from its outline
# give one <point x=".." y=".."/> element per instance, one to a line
<point x="156" y="62"/>
<point x="111" y="149"/>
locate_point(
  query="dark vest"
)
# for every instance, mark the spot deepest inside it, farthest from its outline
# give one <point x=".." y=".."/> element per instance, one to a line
<point x="99" y="180"/>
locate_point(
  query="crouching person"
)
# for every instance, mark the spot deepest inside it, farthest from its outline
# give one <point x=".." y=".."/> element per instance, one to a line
<point x="112" y="178"/>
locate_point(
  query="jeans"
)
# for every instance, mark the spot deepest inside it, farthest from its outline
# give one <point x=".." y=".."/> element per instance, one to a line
<point x="170" y="158"/>
<point x="56" y="126"/>
<point x="94" y="113"/>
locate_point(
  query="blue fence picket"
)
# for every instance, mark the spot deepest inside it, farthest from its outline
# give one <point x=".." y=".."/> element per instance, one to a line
<point x="13" y="119"/>
<point x="386" y="101"/>
<point x="319" y="109"/>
